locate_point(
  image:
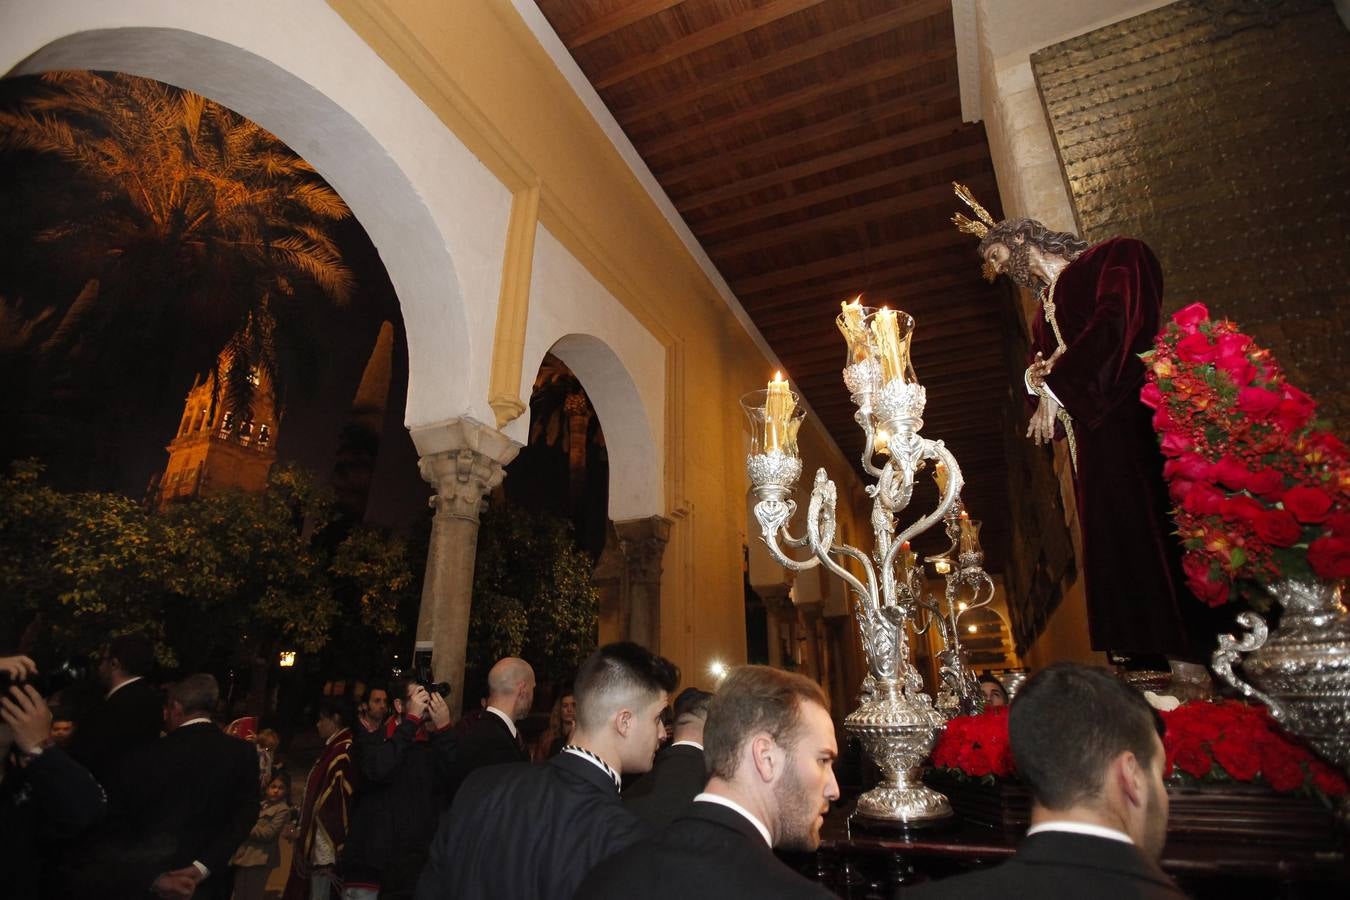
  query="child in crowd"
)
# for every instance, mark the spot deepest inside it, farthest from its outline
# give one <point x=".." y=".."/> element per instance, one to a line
<point x="257" y="856"/>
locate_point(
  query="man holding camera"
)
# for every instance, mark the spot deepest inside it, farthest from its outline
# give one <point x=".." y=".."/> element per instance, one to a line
<point x="405" y="770"/>
<point x="130" y="716"/>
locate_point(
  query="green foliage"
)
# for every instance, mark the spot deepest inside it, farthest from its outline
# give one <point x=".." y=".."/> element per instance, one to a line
<point x="203" y="576"/>
<point x="532" y="596"/>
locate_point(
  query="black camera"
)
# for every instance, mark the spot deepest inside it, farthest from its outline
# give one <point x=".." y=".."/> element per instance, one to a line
<point x="421" y="669"/>
<point x="48" y="681"/>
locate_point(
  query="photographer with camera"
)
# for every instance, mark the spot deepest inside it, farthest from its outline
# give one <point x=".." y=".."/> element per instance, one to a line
<point x="406" y="769"/>
<point x="46" y="798"/>
<point x="130" y="716"/>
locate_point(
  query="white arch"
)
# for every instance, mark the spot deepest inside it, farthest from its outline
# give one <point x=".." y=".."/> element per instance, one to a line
<point x="620" y="363"/>
<point x="297" y="69"/>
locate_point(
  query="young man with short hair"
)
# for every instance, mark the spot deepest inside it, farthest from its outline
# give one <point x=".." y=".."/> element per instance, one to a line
<point x="533" y="832"/>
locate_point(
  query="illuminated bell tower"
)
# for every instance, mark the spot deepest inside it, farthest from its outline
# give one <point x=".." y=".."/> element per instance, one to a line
<point x="228" y="451"/>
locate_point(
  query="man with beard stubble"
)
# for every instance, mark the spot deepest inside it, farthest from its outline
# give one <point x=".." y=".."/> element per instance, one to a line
<point x="770" y="750"/>
<point x="1090" y="748"/>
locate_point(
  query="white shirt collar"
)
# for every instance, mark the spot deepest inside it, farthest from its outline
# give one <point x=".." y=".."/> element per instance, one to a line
<point x="199" y="719"/>
<point x="511" y="726"/>
<point x="732" y="804"/>
<point x="687" y="744"/>
<point x="1100" y="831"/>
<point x="122" y="685"/>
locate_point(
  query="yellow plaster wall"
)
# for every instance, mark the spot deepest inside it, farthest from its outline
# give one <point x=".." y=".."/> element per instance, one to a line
<point x="478" y="67"/>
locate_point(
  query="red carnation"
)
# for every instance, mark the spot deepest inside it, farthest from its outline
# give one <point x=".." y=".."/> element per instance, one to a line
<point x="1151" y="395"/>
<point x="1196" y="348"/>
<point x="1330" y="557"/>
<point x="1329" y="781"/>
<point x="1281" y="769"/>
<point x="1308" y="504"/>
<point x="1191" y="758"/>
<point x="1188" y="318"/>
<point x="1238" y="757"/>
<point x="1277" y="528"/>
<point x="1258" y="402"/>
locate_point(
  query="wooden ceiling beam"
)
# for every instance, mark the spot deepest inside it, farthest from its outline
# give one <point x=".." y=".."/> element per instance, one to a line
<point x="644" y="108"/>
<point x="872" y="283"/>
<point x="851" y="280"/>
<point x="974" y="359"/>
<point x="739" y="187"/>
<point x="864" y="214"/>
<point x="724" y="30"/>
<point x="938" y="163"/>
<point x="677" y="135"/>
<point x="854" y="259"/>
<point x="794" y="316"/>
<point x="784" y="143"/>
<point x="617" y="20"/>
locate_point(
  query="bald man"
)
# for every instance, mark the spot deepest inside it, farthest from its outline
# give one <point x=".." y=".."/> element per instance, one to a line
<point x="492" y="738"/>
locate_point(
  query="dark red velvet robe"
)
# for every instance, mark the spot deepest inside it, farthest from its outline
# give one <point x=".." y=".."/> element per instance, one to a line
<point x="328" y="795"/>
<point x="1109" y="308"/>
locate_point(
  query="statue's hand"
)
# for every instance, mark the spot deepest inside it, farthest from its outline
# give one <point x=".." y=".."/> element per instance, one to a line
<point x="1042" y="427"/>
<point x="1041" y="367"/>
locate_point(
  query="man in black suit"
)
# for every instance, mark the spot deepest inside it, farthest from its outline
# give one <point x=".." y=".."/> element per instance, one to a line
<point x="492" y="739"/>
<point x="191" y="798"/>
<point x="679" y="772"/>
<point x="1089" y="747"/>
<point x="770" y="752"/>
<point x="130" y="716"/>
<point x="533" y="832"/>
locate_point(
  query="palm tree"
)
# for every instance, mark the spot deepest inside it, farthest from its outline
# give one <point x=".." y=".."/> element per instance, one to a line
<point x="202" y="227"/>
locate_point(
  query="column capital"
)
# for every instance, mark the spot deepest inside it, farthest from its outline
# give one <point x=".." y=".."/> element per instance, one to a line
<point x="466" y="463"/>
<point x="775" y="597"/>
<point x="643" y="544"/>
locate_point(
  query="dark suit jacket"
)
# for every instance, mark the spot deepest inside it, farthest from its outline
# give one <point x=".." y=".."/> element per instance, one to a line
<point x="528" y="832"/>
<point x="677" y="776"/>
<point x="483" y="742"/>
<point x="123" y="723"/>
<point x="709" y="852"/>
<point x="1054" y="865"/>
<point x="191" y="795"/>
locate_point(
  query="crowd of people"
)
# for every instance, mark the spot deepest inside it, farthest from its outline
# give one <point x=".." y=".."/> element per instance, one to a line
<point x="149" y="797"/>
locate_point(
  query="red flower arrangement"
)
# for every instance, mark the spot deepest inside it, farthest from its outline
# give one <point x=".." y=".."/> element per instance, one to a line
<point x="1262" y="487"/>
<point x="1207" y="742"/>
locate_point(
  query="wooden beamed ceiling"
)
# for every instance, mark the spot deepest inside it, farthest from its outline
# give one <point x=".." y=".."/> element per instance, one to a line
<point x="810" y="146"/>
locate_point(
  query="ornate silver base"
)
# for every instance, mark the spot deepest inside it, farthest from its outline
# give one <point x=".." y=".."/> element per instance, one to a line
<point x="897" y="731"/>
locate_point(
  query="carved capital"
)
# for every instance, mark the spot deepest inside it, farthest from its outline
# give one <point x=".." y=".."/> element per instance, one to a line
<point x="775" y="597"/>
<point x="463" y="460"/>
<point x="643" y="544"/>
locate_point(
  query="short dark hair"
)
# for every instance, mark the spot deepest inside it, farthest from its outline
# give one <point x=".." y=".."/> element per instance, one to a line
<point x="691" y="702"/>
<point x="339" y="708"/>
<point x="751" y="700"/>
<point x="197" y="693"/>
<point x="134" y="652"/>
<point x="613" y="674"/>
<point x="1068" y="722"/>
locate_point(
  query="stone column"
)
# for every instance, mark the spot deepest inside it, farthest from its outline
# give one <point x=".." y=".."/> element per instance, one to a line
<point x="465" y="463"/>
<point x="643" y="543"/>
<point x="780" y="613"/>
<point x="810" y="616"/>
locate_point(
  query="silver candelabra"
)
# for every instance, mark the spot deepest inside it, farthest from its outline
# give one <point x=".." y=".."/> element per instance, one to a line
<point x="895" y="720"/>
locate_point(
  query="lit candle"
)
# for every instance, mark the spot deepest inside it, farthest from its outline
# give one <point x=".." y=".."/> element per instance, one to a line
<point x="886" y="331"/>
<point x="907" y="557"/>
<point x="853" y="330"/>
<point x="942" y="566"/>
<point x="970" y="534"/>
<point x="881" y="443"/>
<point x="940" y="476"/>
<point x="778" y="408"/>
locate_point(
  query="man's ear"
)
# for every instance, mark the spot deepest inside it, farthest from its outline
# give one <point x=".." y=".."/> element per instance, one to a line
<point x="766" y="757"/>
<point x="1130" y="777"/>
<point x="623" y="722"/>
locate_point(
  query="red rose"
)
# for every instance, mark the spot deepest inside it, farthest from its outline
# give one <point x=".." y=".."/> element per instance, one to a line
<point x="1151" y="395"/>
<point x="1294" y="414"/>
<point x="1230" y="471"/>
<point x="1339" y="523"/>
<point x="1327" y="780"/>
<point x="1238" y="757"/>
<point x="1241" y="509"/>
<point x="1212" y="593"/>
<point x="1162" y="420"/>
<point x="1266" y="482"/>
<point x="1195" y="565"/>
<point x="1202" y="500"/>
<point x="1237" y="368"/>
<point x="1188" y="318"/>
<point x="1177" y="489"/>
<point x="1278" y="528"/>
<point x="1280" y="769"/>
<point x="1233" y="344"/>
<point x="1190" y="466"/>
<point x="1174" y="444"/>
<point x="1258" y="402"/>
<point x="1308" y="504"/>
<point x="1330" y="557"/>
<point x="1196" y="348"/>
